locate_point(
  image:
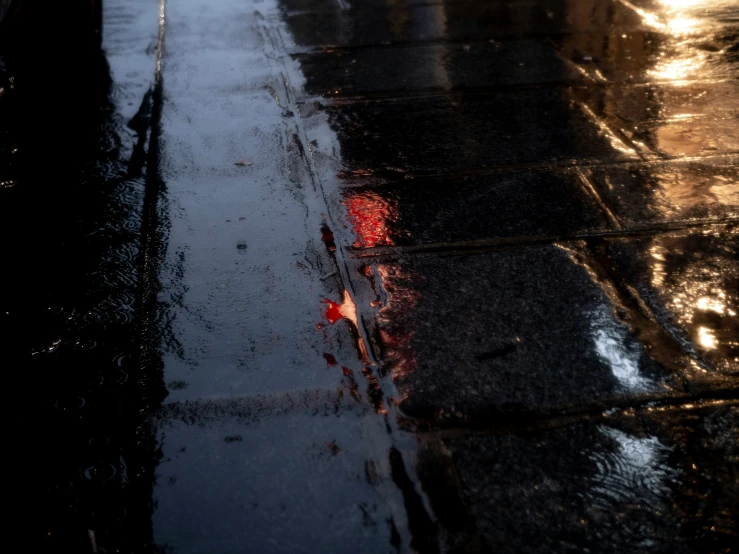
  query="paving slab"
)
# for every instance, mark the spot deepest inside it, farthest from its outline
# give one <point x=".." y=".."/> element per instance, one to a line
<point x="689" y="280"/>
<point x="434" y="67"/>
<point x="266" y="474"/>
<point x="510" y="357"/>
<point x="634" y="482"/>
<point x="671" y="121"/>
<point x="503" y="205"/>
<point x="234" y="272"/>
<point x="643" y="195"/>
<point x="266" y="383"/>
<point x="367" y="23"/>
<point x="469" y="132"/>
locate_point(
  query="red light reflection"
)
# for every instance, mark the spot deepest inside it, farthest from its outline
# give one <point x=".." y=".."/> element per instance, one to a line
<point x="370" y="215"/>
<point x="397" y="338"/>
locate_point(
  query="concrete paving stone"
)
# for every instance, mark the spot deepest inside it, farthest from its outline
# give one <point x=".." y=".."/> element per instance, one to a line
<point x="469" y="335"/>
<point x="434" y="66"/>
<point x="373" y="23"/>
<point x="690" y="281"/>
<point x="237" y="473"/>
<point x="458" y="132"/>
<point x="242" y="280"/>
<point x="232" y="48"/>
<point x="695" y="119"/>
<point x="635" y="482"/>
<point x="504" y="205"/>
<point x="679" y="192"/>
<point x="242" y="288"/>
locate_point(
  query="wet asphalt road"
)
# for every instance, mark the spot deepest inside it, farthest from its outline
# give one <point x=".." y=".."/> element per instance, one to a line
<point x="382" y="276"/>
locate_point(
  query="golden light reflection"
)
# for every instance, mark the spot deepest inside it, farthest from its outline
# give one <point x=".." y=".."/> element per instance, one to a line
<point x="707" y="303"/>
<point x="687" y="302"/>
<point x="695" y="277"/>
<point x="658" y="267"/>
<point x="680" y="20"/>
<point x="679" y="69"/>
<point x="649" y="18"/>
<point x="706" y="338"/>
<point x="683" y="25"/>
<point x="725" y="191"/>
<point x="680" y="193"/>
<point x="681" y="4"/>
<point x="694" y="51"/>
<point x="683" y="49"/>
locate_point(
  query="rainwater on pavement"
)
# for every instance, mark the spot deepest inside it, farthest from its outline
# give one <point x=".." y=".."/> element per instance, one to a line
<point x="328" y="276"/>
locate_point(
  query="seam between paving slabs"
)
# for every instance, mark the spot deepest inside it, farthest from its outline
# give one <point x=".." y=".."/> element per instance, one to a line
<point x="639" y="317"/>
<point x="424" y="43"/>
<point x="528" y="422"/>
<point x="154" y="231"/>
<point x="351" y="98"/>
<point x="587" y="185"/>
<point x="493" y="244"/>
<point x="417" y="513"/>
<point x="400" y="176"/>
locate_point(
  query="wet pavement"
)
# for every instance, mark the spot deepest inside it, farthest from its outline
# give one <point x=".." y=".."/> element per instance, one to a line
<point x="381" y="276"/>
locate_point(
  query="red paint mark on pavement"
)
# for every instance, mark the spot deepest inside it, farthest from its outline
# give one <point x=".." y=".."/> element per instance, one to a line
<point x="347" y="309"/>
<point x="333" y="312"/>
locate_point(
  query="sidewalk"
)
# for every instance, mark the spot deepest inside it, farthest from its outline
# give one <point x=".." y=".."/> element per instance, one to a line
<point x="417" y="275"/>
<point x="474" y="264"/>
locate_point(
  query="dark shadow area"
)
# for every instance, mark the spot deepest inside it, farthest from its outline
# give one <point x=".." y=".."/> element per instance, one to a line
<point x="80" y="449"/>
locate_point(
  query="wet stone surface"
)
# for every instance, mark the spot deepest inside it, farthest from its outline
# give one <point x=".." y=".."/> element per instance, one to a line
<point x="634" y="482"/>
<point x="470" y="132"/>
<point x="502" y="205"/>
<point x="265" y="445"/>
<point x="643" y="57"/>
<point x="335" y="276"/>
<point x="72" y="186"/>
<point x="435" y="67"/>
<point x="510" y="357"/>
<point x="373" y="23"/>
<point x="671" y="121"/>
<point x="689" y="280"/>
<point x="687" y="192"/>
